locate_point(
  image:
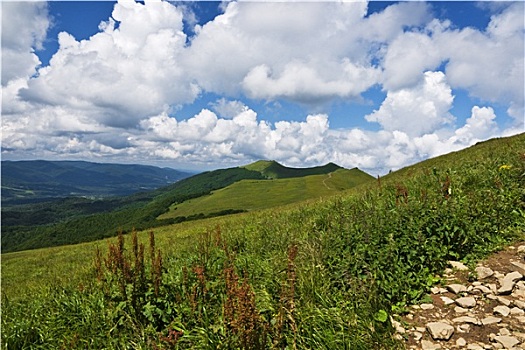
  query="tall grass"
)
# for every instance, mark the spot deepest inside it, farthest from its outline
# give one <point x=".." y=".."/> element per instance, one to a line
<point x="324" y="275"/>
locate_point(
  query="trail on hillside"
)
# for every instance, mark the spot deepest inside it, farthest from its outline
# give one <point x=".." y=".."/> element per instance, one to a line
<point x="324" y="181"/>
<point x="482" y="308"/>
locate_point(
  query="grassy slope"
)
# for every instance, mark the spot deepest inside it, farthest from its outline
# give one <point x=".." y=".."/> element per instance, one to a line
<point x="274" y="170"/>
<point x="359" y="255"/>
<point x="262" y="194"/>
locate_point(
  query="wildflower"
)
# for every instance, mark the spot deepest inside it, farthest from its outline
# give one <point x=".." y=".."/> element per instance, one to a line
<point x="505" y="167"/>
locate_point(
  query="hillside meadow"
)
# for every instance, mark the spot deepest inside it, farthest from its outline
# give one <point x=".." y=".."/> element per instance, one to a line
<point x="323" y="274"/>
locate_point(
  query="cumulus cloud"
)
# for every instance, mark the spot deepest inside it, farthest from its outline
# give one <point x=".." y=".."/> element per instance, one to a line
<point x="120" y="75"/>
<point x="417" y="110"/>
<point x="20" y="38"/>
<point x="113" y="95"/>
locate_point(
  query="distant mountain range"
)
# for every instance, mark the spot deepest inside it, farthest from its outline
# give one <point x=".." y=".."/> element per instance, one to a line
<point x="260" y="185"/>
<point x="37" y="180"/>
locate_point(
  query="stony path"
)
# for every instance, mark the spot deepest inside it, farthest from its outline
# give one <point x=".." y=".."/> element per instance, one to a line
<point x="483" y="308"/>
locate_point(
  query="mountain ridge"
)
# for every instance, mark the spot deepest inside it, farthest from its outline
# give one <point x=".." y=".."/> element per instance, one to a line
<point x="37" y="180"/>
<point x="76" y="220"/>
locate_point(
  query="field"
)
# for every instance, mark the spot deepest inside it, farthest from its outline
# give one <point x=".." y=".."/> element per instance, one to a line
<point x="323" y="274"/>
<point x="263" y="194"/>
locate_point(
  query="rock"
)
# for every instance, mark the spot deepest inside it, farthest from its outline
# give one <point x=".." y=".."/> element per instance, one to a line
<point x="504" y="331"/>
<point x="440" y="330"/>
<point x="507" y="341"/>
<point x="490" y="320"/>
<point x="456" y="288"/>
<point x="519" y="303"/>
<point x="466" y="302"/>
<point x="503" y="301"/>
<point x="461" y="342"/>
<point x="516" y="311"/>
<point x="458" y="265"/>
<point x="508" y="282"/>
<point x="474" y="346"/>
<point x="501" y="310"/>
<point x="447" y="300"/>
<point x="437" y="290"/>
<point x="428" y="345"/>
<point x="460" y="310"/>
<point x="483" y="272"/>
<point x="467" y="319"/>
<point x="517" y="266"/>
<point x="491" y="297"/>
<point x="464" y="328"/>
<point x="481" y="289"/>
<point x="426" y="306"/>
<point x="521" y="249"/>
<point x="417" y="336"/>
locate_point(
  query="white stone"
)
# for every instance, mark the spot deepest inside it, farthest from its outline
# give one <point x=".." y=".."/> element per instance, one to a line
<point x="417" y="336"/>
<point x="474" y="346"/>
<point x="481" y="289"/>
<point x="440" y="330"/>
<point x="521" y="249"/>
<point x="504" y="301"/>
<point x="508" y="282"/>
<point x="464" y="328"/>
<point x="447" y="300"/>
<point x="483" y="272"/>
<point x="501" y="310"/>
<point x="456" y="288"/>
<point x="507" y="341"/>
<point x="504" y="331"/>
<point x="461" y="342"/>
<point x="426" y="306"/>
<point x="516" y="311"/>
<point x="517" y="266"/>
<point x="490" y="320"/>
<point x="460" y="310"/>
<point x="466" y="319"/>
<point x="458" y="265"/>
<point x="466" y="302"/>
<point x="428" y="345"/>
<point x="519" y="303"/>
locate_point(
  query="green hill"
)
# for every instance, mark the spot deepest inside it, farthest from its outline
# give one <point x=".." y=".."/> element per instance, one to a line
<point x="75" y="220"/>
<point x="247" y="195"/>
<point x="273" y="170"/>
<point x="323" y="274"/>
<point x="40" y="180"/>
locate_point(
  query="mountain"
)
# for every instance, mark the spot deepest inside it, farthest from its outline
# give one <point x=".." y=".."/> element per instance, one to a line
<point x="83" y="219"/>
<point x="273" y="170"/>
<point x="281" y="187"/>
<point x="38" y="180"/>
<point x="334" y="273"/>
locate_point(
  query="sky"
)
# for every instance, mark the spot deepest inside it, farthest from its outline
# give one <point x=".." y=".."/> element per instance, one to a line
<point x="207" y="85"/>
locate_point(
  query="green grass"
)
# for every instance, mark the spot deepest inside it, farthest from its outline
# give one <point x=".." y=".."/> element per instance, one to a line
<point x="325" y="274"/>
<point x="263" y="194"/>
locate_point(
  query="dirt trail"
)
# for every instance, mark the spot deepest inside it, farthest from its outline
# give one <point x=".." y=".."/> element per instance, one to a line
<point x="324" y="181"/>
<point x="480" y="308"/>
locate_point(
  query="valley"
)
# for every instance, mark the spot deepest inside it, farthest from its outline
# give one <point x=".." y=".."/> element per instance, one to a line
<point x="325" y="273"/>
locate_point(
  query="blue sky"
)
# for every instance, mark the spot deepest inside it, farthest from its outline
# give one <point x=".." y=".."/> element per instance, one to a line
<point x="203" y="85"/>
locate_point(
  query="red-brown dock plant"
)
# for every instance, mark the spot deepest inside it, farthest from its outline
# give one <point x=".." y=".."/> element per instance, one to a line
<point x="241" y="315"/>
<point x="124" y="277"/>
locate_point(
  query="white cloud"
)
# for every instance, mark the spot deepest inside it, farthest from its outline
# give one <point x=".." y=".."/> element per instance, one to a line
<point x="24" y="28"/>
<point x="111" y="95"/>
<point x="228" y="109"/>
<point x="417" y="110"/>
<point x="121" y="74"/>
